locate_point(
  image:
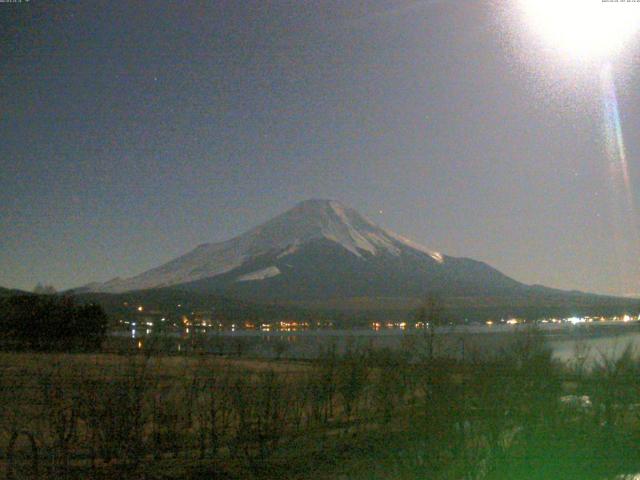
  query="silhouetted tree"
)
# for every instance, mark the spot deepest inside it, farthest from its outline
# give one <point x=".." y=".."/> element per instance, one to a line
<point x="45" y="289"/>
<point x="51" y="323"/>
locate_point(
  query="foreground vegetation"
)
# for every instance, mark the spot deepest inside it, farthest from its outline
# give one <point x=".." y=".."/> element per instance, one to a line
<point x="50" y="323"/>
<point x="366" y="414"/>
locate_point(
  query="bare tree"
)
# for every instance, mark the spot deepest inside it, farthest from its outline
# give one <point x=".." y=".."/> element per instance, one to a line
<point x="431" y="315"/>
<point x="351" y="378"/>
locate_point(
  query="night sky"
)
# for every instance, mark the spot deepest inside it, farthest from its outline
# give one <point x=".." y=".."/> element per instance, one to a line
<point x="130" y="132"/>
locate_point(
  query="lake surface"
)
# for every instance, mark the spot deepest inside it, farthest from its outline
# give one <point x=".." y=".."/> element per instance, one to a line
<point x="593" y="342"/>
<point x="596" y="349"/>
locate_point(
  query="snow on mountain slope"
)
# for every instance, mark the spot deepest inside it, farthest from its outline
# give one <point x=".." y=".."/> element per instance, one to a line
<point x="283" y="235"/>
<point x="260" y="274"/>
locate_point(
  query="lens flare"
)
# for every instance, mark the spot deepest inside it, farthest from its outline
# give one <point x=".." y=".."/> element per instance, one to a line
<point x="624" y="235"/>
<point x="585" y="29"/>
<point x="614" y="141"/>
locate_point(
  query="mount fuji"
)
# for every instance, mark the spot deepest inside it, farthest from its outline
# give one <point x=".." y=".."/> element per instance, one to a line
<point x="319" y="247"/>
<point x="323" y="252"/>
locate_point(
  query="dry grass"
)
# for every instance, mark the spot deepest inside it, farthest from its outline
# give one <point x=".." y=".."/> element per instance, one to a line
<point x="369" y="414"/>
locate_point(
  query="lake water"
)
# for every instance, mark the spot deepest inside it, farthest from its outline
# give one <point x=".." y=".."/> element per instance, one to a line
<point x="592" y="342"/>
<point x="596" y="349"/>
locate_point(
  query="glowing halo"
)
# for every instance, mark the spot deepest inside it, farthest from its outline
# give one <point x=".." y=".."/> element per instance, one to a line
<point x="586" y="29"/>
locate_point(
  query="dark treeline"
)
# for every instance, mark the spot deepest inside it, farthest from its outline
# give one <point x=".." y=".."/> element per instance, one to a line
<point x="366" y="414"/>
<point x="174" y="303"/>
<point x="50" y="323"/>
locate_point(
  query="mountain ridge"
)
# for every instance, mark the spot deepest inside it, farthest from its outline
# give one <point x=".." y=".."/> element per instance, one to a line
<point x="323" y="252"/>
<point x="309" y="220"/>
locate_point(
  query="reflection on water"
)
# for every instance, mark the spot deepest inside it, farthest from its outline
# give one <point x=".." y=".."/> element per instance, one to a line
<point x="587" y="343"/>
<point x="568" y="343"/>
<point x="595" y="349"/>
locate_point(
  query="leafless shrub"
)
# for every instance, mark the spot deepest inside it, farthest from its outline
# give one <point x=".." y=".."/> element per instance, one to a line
<point x="20" y="466"/>
<point x="279" y="347"/>
<point x="351" y="378"/>
<point x="581" y="353"/>
<point x="60" y="402"/>
<point x="211" y="404"/>
<point x="113" y="410"/>
<point x="167" y="406"/>
<point x="322" y="386"/>
<point x="389" y="383"/>
<point x="261" y="411"/>
<point x="615" y="387"/>
<point x="298" y="400"/>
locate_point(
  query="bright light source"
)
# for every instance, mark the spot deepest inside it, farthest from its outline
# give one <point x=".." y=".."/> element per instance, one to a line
<point x="584" y="28"/>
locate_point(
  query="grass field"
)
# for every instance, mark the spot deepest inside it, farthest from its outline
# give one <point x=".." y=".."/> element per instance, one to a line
<point x="366" y="414"/>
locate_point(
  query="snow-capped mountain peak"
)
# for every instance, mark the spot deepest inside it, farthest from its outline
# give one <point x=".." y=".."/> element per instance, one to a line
<point x="310" y="220"/>
<point x="329" y="219"/>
